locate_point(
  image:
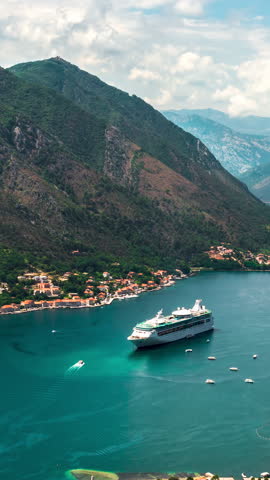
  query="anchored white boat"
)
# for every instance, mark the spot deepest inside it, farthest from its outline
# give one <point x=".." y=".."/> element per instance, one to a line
<point x="182" y="323"/>
<point x="249" y="380"/>
<point x="211" y="382"/>
<point x="211" y="358"/>
<point x="234" y="369"/>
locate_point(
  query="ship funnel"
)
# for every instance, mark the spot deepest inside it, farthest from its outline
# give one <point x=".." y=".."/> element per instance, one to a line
<point x="197" y="306"/>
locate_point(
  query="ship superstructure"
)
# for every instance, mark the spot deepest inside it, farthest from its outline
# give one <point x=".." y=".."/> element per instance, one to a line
<point x="182" y="323"/>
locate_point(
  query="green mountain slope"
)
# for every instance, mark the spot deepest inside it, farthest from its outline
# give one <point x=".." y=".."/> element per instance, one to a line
<point x="89" y="166"/>
<point x="136" y="120"/>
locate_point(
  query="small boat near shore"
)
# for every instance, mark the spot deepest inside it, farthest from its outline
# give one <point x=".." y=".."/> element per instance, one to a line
<point x="209" y="381"/>
<point x="249" y="380"/>
<point x="211" y="358"/>
<point x="234" y="369"/>
<point x="188" y="350"/>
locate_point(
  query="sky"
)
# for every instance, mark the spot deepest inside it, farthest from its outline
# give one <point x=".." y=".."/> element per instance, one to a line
<point x="173" y="53"/>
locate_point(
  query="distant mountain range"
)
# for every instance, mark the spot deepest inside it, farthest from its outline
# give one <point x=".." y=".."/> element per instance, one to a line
<point x="250" y="124"/>
<point x="87" y="166"/>
<point x="245" y="155"/>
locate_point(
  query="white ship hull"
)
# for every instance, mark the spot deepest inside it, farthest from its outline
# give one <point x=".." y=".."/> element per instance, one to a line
<point x="153" y="338"/>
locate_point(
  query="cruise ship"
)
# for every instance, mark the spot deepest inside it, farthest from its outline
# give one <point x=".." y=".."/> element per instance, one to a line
<point x="182" y="323"/>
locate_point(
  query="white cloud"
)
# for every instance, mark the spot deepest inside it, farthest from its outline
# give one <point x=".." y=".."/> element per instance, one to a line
<point x="226" y="93"/>
<point x="190" y="7"/>
<point x="255" y="73"/>
<point x="167" y="51"/>
<point x="137" y="73"/>
<point x="163" y="99"/>
<point x="238" y="102"/>
<point x="241" y="105"/>
<point x="190" y="61"/>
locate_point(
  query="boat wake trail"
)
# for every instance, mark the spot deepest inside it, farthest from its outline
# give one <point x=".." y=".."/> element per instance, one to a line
<point x="260" y="435"/>
<point x="159" y="378"/>
<point x="47" y="397"/>
<point x="74" y="368"/>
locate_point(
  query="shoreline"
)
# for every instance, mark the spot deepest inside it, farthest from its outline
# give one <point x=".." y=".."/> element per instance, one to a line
<point x="195" y="271"/>
<point x="104" y="304"/>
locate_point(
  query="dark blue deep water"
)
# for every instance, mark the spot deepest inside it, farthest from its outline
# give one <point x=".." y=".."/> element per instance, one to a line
<point x="138" y="411"/>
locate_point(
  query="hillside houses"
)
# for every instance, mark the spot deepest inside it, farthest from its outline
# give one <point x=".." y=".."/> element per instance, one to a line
<point x="94" y="291"/>
<point x="47" y="289"/>
<point x="263" y="259"/>
<point x="222" y="252"/>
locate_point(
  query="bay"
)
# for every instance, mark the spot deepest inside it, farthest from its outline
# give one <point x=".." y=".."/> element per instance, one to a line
<point x="139" y="411"/>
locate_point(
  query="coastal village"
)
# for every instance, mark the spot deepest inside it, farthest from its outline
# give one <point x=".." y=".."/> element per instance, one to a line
<point x="97" y="292"/>
<point x="226" y="252"/>
<point x="43" y="290"/>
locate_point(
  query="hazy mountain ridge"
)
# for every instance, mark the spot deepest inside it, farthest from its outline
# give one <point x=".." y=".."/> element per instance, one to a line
<point x="237" y="152"/>
<point x="258" y="181"/>
<point x="245" y="156"/>
<point x="113" y="176"/>
<point x="250" y="124"/>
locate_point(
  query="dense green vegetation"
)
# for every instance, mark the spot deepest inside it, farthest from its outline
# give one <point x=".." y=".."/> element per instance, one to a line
<point x="14" y="263"/>
<point x="79" y="131"/>
<point x="63" y="189"/>
<point x="136" y="119"/>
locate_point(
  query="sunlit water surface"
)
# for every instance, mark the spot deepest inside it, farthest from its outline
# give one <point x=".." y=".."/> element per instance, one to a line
<point x="138" y="411"/>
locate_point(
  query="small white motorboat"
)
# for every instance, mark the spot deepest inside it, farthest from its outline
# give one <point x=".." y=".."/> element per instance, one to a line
<point x="211" y="382"/>
<point x="234" y="369"/>
<point x="211" y="358"/>
<point x="265" y="474"/>
<point x="207" y="341"/>
<point x="188" y="350"/>
<point x="255" y="356"/>
<point x="80" y="363"/>
<point x="249" y="380"/>
<point x="53" y="331"/>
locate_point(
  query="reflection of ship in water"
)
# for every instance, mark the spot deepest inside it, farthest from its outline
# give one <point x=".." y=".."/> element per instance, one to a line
<point x="182" y="323"/>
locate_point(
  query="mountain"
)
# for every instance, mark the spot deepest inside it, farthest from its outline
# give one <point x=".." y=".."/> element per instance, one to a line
<point x="258" y="180"/>
<point x="241" y="154"/>
<point x="237" y="152"/>
<point x="85" y="165"/>
<point x="250" y="124"/>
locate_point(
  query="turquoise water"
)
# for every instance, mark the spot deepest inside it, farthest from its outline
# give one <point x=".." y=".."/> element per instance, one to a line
<point x="138" y="411"/>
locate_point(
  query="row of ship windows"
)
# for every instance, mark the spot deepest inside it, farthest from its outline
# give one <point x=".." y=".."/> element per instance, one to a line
<point x="182" y="327"/>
